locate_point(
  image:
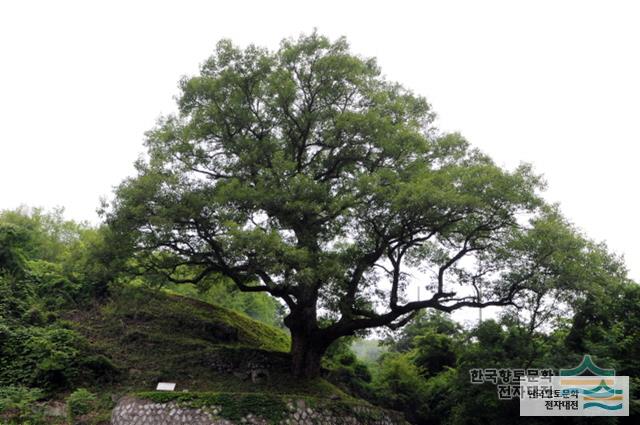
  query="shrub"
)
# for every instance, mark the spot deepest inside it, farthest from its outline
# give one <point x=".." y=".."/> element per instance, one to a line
<point x="399" y="386"/>
<point x="102" y="367"/>
<point x="34" y="317"/>
<point x="47" y="357"/>
<point x="17" y="405"/>
<point x="79" y="403"/>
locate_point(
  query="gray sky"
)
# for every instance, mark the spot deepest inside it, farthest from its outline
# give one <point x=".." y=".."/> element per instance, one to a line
<point x="553" y="83"/>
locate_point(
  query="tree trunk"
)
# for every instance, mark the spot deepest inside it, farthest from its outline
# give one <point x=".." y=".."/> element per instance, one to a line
<point x="306" y="354"/>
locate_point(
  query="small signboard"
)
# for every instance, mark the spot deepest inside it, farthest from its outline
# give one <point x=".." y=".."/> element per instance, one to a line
<point x="166" y="386"/>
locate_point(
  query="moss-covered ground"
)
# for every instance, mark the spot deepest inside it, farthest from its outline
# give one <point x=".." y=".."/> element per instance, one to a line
<point x="142" y="336"/>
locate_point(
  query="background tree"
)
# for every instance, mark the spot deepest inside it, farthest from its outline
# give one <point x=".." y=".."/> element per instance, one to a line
<point x="423" y="323"/>
<point x="304" y="174"/>
<point x="36" y="348"/>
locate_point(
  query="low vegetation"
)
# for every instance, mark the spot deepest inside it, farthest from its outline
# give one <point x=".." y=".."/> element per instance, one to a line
<point x="61" y="342"/>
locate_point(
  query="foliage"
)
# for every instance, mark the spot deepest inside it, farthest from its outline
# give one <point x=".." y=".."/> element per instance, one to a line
<point x="434" y="353"/>
<point x="12" y="241"/>
<point x="16" y="297"/>
<point x="346" y="370"/>
<point x="397" y="384"/>
<point x="37" y="349"/>
<point x="406" y="379"/>
<point x="35" y="356"/>
<point x="17" y="405"/>
<point x="80" y="402"/>
<point x="66" y="259"/>
<point x="225" y="294"/>
<point x="48" y="235"/>
<point x="424" y="321"/>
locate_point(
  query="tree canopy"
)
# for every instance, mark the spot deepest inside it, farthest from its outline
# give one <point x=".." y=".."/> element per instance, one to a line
<point x="305" y="174"/>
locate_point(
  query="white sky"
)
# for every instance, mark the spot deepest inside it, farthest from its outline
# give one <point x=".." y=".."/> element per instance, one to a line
<point x="554" y="83"/>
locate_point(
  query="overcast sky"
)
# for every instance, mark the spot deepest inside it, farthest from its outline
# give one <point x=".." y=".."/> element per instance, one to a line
<point x="553" y="83"/>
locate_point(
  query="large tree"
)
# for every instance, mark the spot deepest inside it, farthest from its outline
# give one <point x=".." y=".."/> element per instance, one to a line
<point x="305" y="174"/>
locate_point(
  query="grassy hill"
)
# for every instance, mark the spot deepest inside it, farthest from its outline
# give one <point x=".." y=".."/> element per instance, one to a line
<point x="140" y="337"/>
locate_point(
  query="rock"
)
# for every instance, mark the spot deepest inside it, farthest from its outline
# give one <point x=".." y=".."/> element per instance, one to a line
<point x="56" y="409"/>
<point x="135" y="411"/>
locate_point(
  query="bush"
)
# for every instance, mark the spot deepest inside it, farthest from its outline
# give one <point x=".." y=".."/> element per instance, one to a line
<point x="102" y="367"/>
<point x="434" y="352"/>
<point x="17" y="405"/>
<point x="398" y="385"/>
<point x="46" y="357"/>
<point x="16" y="297"/>
<point x="34" y="317"/>
<point x="79" y="403"/>
<point x="12" y="241"/>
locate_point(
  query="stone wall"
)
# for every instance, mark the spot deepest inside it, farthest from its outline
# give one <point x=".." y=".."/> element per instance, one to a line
<point x="136" y="411"/>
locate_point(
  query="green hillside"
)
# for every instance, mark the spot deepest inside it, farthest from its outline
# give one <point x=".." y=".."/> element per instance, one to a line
<point x="153" y="336"/>
<point x="146" y="336"/>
